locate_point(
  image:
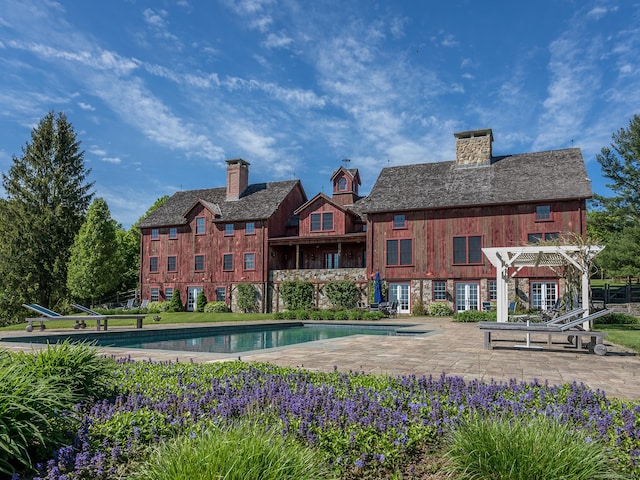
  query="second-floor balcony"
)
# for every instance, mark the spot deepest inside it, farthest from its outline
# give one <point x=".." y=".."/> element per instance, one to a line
<point x="318" y="252"/>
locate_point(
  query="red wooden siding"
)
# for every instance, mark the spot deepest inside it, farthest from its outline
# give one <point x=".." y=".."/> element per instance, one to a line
<point x="433" y="231"/>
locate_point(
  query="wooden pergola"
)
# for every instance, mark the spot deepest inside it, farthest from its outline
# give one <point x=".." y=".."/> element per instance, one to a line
<point x="509" y="261"/>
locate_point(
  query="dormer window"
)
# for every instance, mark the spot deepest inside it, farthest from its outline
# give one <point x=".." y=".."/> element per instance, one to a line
<point x="342" y="184"/>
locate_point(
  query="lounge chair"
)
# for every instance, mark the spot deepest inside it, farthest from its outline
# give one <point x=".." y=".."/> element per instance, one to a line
<point x="573" y="330"/>
<point x="46" y="314"/>
<point x="554" y="321"/>
<point x="137" y="317"/>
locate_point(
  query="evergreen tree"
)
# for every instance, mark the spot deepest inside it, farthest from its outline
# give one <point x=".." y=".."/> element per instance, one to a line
<point x="95" y="265"/>
<point x="615" y="219"/>
<point x="176" y="305"/>
<point x="201" y="302"/>
<point x="621" y="165"/>
<point x="47" y="195"/>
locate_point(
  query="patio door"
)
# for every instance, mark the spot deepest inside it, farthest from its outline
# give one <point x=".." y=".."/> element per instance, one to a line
<point x="467" y="296"/>
<point x="399" y="292"/>
<point x="544" y="295"/>
<point x="192" y="298"/>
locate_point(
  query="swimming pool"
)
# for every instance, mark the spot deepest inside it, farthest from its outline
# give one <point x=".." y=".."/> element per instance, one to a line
<point x="222" y="339"/>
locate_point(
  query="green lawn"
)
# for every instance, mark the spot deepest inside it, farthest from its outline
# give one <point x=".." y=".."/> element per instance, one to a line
<point x="165" y="317"/>
<point x="625" y="335"/>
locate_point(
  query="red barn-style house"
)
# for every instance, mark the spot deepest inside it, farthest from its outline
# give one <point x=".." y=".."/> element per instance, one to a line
<point x="422" y="226"/>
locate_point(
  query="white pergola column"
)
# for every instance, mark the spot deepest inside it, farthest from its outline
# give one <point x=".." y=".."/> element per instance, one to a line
<point x="503" y="258"/>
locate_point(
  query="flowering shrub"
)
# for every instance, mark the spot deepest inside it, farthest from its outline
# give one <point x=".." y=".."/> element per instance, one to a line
<point x="366" y="425"/>
<point x="440" y="309"/>
<point x="216" y="307"/>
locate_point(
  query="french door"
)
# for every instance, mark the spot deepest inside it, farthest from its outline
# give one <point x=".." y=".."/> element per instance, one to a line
<point x="192" y="298"/>
<point x="467" y="296"/>
<point x="399" y="292"/>
<point x="544" y="295"/>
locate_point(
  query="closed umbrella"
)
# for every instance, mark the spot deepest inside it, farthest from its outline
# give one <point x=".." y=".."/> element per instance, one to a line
<point x="377" y="289"/>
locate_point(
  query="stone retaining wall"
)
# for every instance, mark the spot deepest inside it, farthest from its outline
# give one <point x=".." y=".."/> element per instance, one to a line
<point x="318" y="278"/>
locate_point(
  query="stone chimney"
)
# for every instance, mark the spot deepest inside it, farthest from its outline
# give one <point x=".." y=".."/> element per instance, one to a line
<point x="237" y="178"/>
<point x="473" y="148"/>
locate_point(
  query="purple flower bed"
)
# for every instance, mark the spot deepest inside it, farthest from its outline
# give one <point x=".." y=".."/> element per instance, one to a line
<point x="357" y="422"/>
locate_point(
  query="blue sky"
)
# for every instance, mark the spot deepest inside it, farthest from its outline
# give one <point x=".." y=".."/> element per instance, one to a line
<point x="162" y="92"/>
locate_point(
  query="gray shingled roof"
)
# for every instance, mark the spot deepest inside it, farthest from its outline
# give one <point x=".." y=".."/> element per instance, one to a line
<point x="521" y="178"/>
<point x="258" y="201"/>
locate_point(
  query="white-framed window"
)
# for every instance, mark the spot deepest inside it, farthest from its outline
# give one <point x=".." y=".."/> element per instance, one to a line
<point x="155" y="233"/>
<point x="493" y="290"/>
<point x="173" y="232"/>
<point x="228" y="229"/>
<point x="153" y="264"/>
<point x="155" y="294"/>
<point x="227" y="262"/>
<point x="439" y="290"/>
<point x="249" y="228"/>
<point x="172" y="263"/>
<point x="168" y="294"/>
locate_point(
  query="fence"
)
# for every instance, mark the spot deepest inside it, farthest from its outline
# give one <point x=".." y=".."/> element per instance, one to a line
<point x="629" y="293"/>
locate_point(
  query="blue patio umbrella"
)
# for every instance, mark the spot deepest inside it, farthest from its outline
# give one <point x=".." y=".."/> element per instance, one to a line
<point x="377" y="289"/>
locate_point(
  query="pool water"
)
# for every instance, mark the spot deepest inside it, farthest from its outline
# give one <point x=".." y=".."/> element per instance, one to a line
<point x="234" y="339"/>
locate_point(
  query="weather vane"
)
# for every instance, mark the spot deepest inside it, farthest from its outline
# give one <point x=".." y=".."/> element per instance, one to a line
<point x="346" y="161"/>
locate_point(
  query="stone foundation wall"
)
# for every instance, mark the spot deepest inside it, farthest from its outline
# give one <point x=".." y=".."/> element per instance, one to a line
<point x="318" y="278"/>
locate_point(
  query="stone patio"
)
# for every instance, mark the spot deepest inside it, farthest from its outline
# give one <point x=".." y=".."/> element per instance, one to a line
<point x="455" y="349"/>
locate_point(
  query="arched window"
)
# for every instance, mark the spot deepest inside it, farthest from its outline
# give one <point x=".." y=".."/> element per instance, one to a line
<point x="342" y="184"/>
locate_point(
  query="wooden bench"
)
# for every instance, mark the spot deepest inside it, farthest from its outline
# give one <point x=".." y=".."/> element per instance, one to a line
<point x="570" y="329"/>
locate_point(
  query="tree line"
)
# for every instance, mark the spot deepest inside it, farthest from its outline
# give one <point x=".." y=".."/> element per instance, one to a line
<point x="59" y="244"/>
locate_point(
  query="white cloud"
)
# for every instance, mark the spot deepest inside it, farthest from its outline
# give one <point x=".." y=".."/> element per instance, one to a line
<point x="97" y="151"/>
<point x="114" y="160"/>
<point x="599" y="12"/>
<point x="154" y="19"/>
<point x="277" y="41"/>
<point x="397" y="26"/>
<point x="86" y="106"/>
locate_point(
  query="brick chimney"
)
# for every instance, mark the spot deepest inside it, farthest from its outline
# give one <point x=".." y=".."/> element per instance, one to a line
<point x="473" y="148"/>
<point x="237" y="178"/>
